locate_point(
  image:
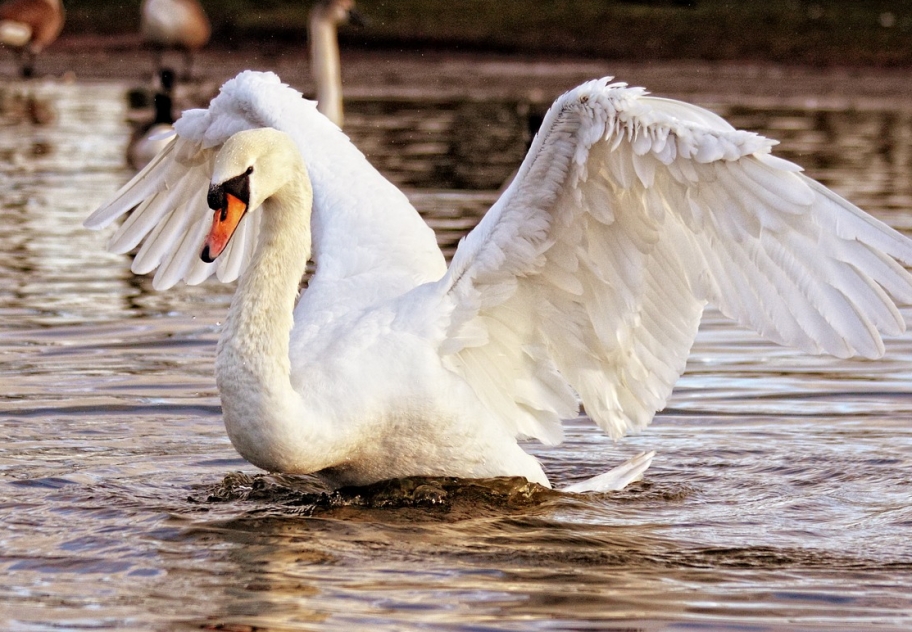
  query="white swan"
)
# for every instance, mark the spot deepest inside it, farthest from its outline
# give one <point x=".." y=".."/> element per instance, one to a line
<point x="588" y="276"/>
<point x="177" y="24"/>
<point x="30" y="26"/>
<point x="325" y="65"/>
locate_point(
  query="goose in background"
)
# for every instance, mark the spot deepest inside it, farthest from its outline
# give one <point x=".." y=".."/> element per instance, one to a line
<point x="325" y="65"/>
<point x="151" y="137"/>
<point x="584" y="283"/>
<point x="174" y="24"/>
<point x="30" y="26"/>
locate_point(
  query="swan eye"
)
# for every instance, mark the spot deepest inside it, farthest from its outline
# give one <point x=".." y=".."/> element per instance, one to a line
<point x="238" y="186"/>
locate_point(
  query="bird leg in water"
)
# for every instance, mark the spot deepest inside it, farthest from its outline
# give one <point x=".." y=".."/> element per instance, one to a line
<point x="27" y="60"/>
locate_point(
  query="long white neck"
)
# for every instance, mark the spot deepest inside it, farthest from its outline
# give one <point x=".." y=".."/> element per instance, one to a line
<point x="264" y="416"/>
<point x="325" y="65"/>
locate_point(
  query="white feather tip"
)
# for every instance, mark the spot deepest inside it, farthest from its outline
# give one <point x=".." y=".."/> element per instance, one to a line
<point x="617" y="479"/>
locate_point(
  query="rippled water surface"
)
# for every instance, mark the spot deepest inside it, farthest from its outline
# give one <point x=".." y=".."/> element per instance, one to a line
<point x="781" y="496"/>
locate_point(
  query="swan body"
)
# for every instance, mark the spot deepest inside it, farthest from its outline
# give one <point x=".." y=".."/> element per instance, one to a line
<point x="325" y="64"/>
<point x="30" y="26"/>
<point x="585" y="282"/>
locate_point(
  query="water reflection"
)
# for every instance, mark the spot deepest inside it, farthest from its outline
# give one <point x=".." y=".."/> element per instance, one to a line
<point x="54" y="170"/>
<point x="539" y="566"/>
<point x="780" y="496"/>
<point x="22" y="104"/>
<point x="441" y="144"/>
<point x="483" y="567"/>
<point x="866" y="155"/>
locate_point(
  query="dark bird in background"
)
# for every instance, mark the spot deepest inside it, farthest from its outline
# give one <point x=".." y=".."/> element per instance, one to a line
<point x="151" y="137"/>
<point x="30" y="26"/>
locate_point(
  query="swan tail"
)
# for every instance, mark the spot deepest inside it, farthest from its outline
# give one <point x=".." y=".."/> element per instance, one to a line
<point x="617" y="479"/>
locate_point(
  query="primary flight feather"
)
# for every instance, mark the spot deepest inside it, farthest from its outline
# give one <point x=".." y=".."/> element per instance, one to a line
<point x="584" y="283"/>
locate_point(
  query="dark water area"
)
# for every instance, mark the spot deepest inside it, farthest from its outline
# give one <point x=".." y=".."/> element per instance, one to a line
<point x="780" y="498"/>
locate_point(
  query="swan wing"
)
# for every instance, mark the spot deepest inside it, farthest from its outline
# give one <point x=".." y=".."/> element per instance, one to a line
<point x="169" y="218"/>
<point x="589" y="275"/>
<point x="165" y="202"/>
<point x="362" y="224"/>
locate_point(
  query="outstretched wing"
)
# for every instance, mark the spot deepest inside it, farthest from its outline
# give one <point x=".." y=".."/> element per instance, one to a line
<point x="590" y="274"/>
<point x="362" y="224"/>
<point x="167" y="198"/>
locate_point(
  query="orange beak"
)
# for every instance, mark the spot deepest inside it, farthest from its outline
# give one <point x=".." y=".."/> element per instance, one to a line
<point x="224" y="222"/>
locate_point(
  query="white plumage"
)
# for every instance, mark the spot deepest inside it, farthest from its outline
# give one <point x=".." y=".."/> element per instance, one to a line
<point x="585" y="282"/>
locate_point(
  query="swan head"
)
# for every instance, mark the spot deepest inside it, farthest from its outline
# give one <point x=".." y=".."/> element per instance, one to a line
<point x="251" y="167"/>
<point x="338" y="12"/>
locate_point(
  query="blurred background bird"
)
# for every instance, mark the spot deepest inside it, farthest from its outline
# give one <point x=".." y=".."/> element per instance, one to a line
<point x="151" y="136"/>
<point x="174" y="25"/>
<point x="29" y="26"/>
<point x="325" y="65"/>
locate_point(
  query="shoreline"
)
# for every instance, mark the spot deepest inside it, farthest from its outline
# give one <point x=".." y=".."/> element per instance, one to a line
<point x="443" y="74"/>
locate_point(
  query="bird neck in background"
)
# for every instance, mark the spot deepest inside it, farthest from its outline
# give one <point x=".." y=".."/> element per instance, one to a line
<point x="163" y="109"/>
<point x="325" y="66"/>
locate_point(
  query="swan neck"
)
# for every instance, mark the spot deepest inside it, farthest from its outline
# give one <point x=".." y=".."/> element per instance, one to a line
<point x="261" y="409"/>
<point x="262" y="310"/>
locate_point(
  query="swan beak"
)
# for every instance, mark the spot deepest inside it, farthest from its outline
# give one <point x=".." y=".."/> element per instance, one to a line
<point x="225" y="221"/>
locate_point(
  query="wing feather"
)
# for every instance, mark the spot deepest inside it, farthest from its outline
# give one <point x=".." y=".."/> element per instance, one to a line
<point x="137" y="225"/>
<point x="185" y="254"/>
<point x="356" y="210"/>
<point x="629" y="214"/>
<point x="149" y="254"/>
<point x="167" y="215"/>
<point x="143" y="185"/>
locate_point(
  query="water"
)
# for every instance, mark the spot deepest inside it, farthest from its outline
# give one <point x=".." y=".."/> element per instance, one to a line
<point x="781" y="496"/>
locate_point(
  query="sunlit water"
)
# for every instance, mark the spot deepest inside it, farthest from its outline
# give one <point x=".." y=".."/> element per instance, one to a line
<point x="781" y="496"/>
